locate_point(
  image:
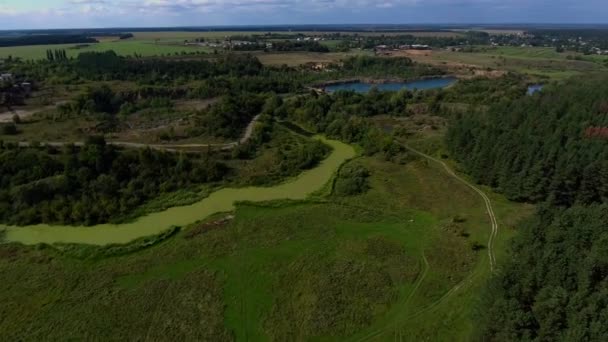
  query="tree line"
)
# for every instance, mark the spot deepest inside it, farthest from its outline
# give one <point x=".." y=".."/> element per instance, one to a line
<point x="46" y="39"/>
<point x="92" y="184"/>
<point x="555" y="286"/>
<point x="537" y="149"/>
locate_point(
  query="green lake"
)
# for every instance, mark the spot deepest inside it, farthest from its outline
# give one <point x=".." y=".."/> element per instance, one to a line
<point x="220" y="201"/>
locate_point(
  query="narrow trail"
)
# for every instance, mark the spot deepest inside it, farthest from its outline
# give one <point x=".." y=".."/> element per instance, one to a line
<point x="486" y="199"/>
<point x="7" y="116"/>
<point x="469" y="279"/>
<point x="164" y="147"/>
<point x="385" y="329"/>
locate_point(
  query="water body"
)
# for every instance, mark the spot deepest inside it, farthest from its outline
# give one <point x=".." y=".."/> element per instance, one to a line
<point x="220" y="201"/>
<point x="362" y="87"/>
<point x="535" y="88"/>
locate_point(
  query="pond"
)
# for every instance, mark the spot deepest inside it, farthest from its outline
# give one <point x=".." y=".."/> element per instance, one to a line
<point x="220" y="201"/>
<point x="362" y="87"/>
<point x="535" y="88"/>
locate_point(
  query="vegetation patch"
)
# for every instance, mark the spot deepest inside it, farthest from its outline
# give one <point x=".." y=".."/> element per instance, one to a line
<point x="339" y="293"/>
<point x="352" y="180"/>
<point x="98" y="252"/>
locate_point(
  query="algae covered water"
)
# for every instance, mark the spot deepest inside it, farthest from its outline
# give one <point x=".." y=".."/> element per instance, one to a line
<point x="220" y="201"/>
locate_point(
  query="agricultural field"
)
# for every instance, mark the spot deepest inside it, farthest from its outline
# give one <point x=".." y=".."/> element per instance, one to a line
<point x="170" y="43"/>
<point x="128" y="47"/>
<point x="125" y="48"/>
<point x="492" y="31"/>
<point x="535" y="62"/>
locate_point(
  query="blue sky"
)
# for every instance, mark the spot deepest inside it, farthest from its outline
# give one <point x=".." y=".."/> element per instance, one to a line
<point x="21" y="14"/>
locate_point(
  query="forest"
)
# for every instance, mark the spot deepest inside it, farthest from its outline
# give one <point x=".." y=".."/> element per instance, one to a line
<point x="536" y="148"/>
<point x="92" y="184"/>
<point x="46" y="39"/>
<point x="343" y="116"/>
<point x="204" y="78"/>
<point x="540" y="149"/>
<point x="555" y="288"/>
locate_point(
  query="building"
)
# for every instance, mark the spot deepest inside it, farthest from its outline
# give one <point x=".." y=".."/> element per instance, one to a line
<point x="26" y="87"/>
<point x="420" y="47"/>
<point x="6" y="77"/>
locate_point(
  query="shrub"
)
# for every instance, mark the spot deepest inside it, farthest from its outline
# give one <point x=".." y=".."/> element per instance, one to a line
<point x="10" y="129"/>
<point x="352" y="180"/>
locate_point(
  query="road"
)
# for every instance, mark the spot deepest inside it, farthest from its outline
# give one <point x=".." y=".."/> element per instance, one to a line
<point x="164" y="147"/>
<point x="24" y="114"/>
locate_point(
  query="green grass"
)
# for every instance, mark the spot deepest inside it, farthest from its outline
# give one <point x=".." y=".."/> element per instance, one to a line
<point x="528" y="52"/>
<point x="126" y="48"/>
<point x="340" y="268"/>
<point x="535" y="62"/>
<point x="396" y="262"/>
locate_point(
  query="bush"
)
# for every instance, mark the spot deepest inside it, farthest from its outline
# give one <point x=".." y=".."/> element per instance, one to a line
<point x="352" y="180"/>
<point x="10" y="129"/>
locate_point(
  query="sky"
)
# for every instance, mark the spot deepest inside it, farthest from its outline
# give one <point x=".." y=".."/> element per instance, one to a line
<point x="39" y="14"/>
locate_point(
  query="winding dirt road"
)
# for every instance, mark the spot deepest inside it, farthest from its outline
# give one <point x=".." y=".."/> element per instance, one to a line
<point x="486" y="199"/>
<point x="398" y="334"/>
<point x="24" y="114"/>
<point x="164" y="147"/>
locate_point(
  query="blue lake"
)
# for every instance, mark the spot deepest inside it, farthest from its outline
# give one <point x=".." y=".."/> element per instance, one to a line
<point x="535" y="88"/>
<point x="361" y="87"/>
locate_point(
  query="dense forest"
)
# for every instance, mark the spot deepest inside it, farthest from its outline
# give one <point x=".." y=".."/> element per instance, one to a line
<point x="482" y="91"/>
<point x="343" y="116"/>
<point x="46" y="39"/>
<point x="92" y="184"/>
<point x="555" y="288"/>
<point x="538" y="147"/>
<point x="549" y="148"/>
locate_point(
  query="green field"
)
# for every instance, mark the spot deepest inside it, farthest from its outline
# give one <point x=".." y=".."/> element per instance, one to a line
<point x="125" y="47"/>
<point x="392" y="263"/>
<point x="535" y="62"/>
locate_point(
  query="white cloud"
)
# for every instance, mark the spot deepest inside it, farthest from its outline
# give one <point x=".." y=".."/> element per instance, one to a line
<point x="112" y="13"/>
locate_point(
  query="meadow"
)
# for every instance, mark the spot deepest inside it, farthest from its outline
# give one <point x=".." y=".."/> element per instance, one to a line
<point x="128" y="47"/>
<point x="531" y="61"/>
<point x="403" y="260"/>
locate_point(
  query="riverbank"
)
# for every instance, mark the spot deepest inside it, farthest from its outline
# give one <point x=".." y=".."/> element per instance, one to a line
<point x="220" y="201"/>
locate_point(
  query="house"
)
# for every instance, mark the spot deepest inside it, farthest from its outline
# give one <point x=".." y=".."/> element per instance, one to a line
<point x="26" y="87"/>
<point x="6" y="77"/>
<point x="420" y="47"/>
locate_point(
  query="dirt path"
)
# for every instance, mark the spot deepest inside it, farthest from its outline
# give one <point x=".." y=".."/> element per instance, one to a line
<point x="398" y="334"/>
<point x="486" y="199"/>
<point x="24" y="114"/>
<point x="392" y="325"/>
<point x="166" y="147"/>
